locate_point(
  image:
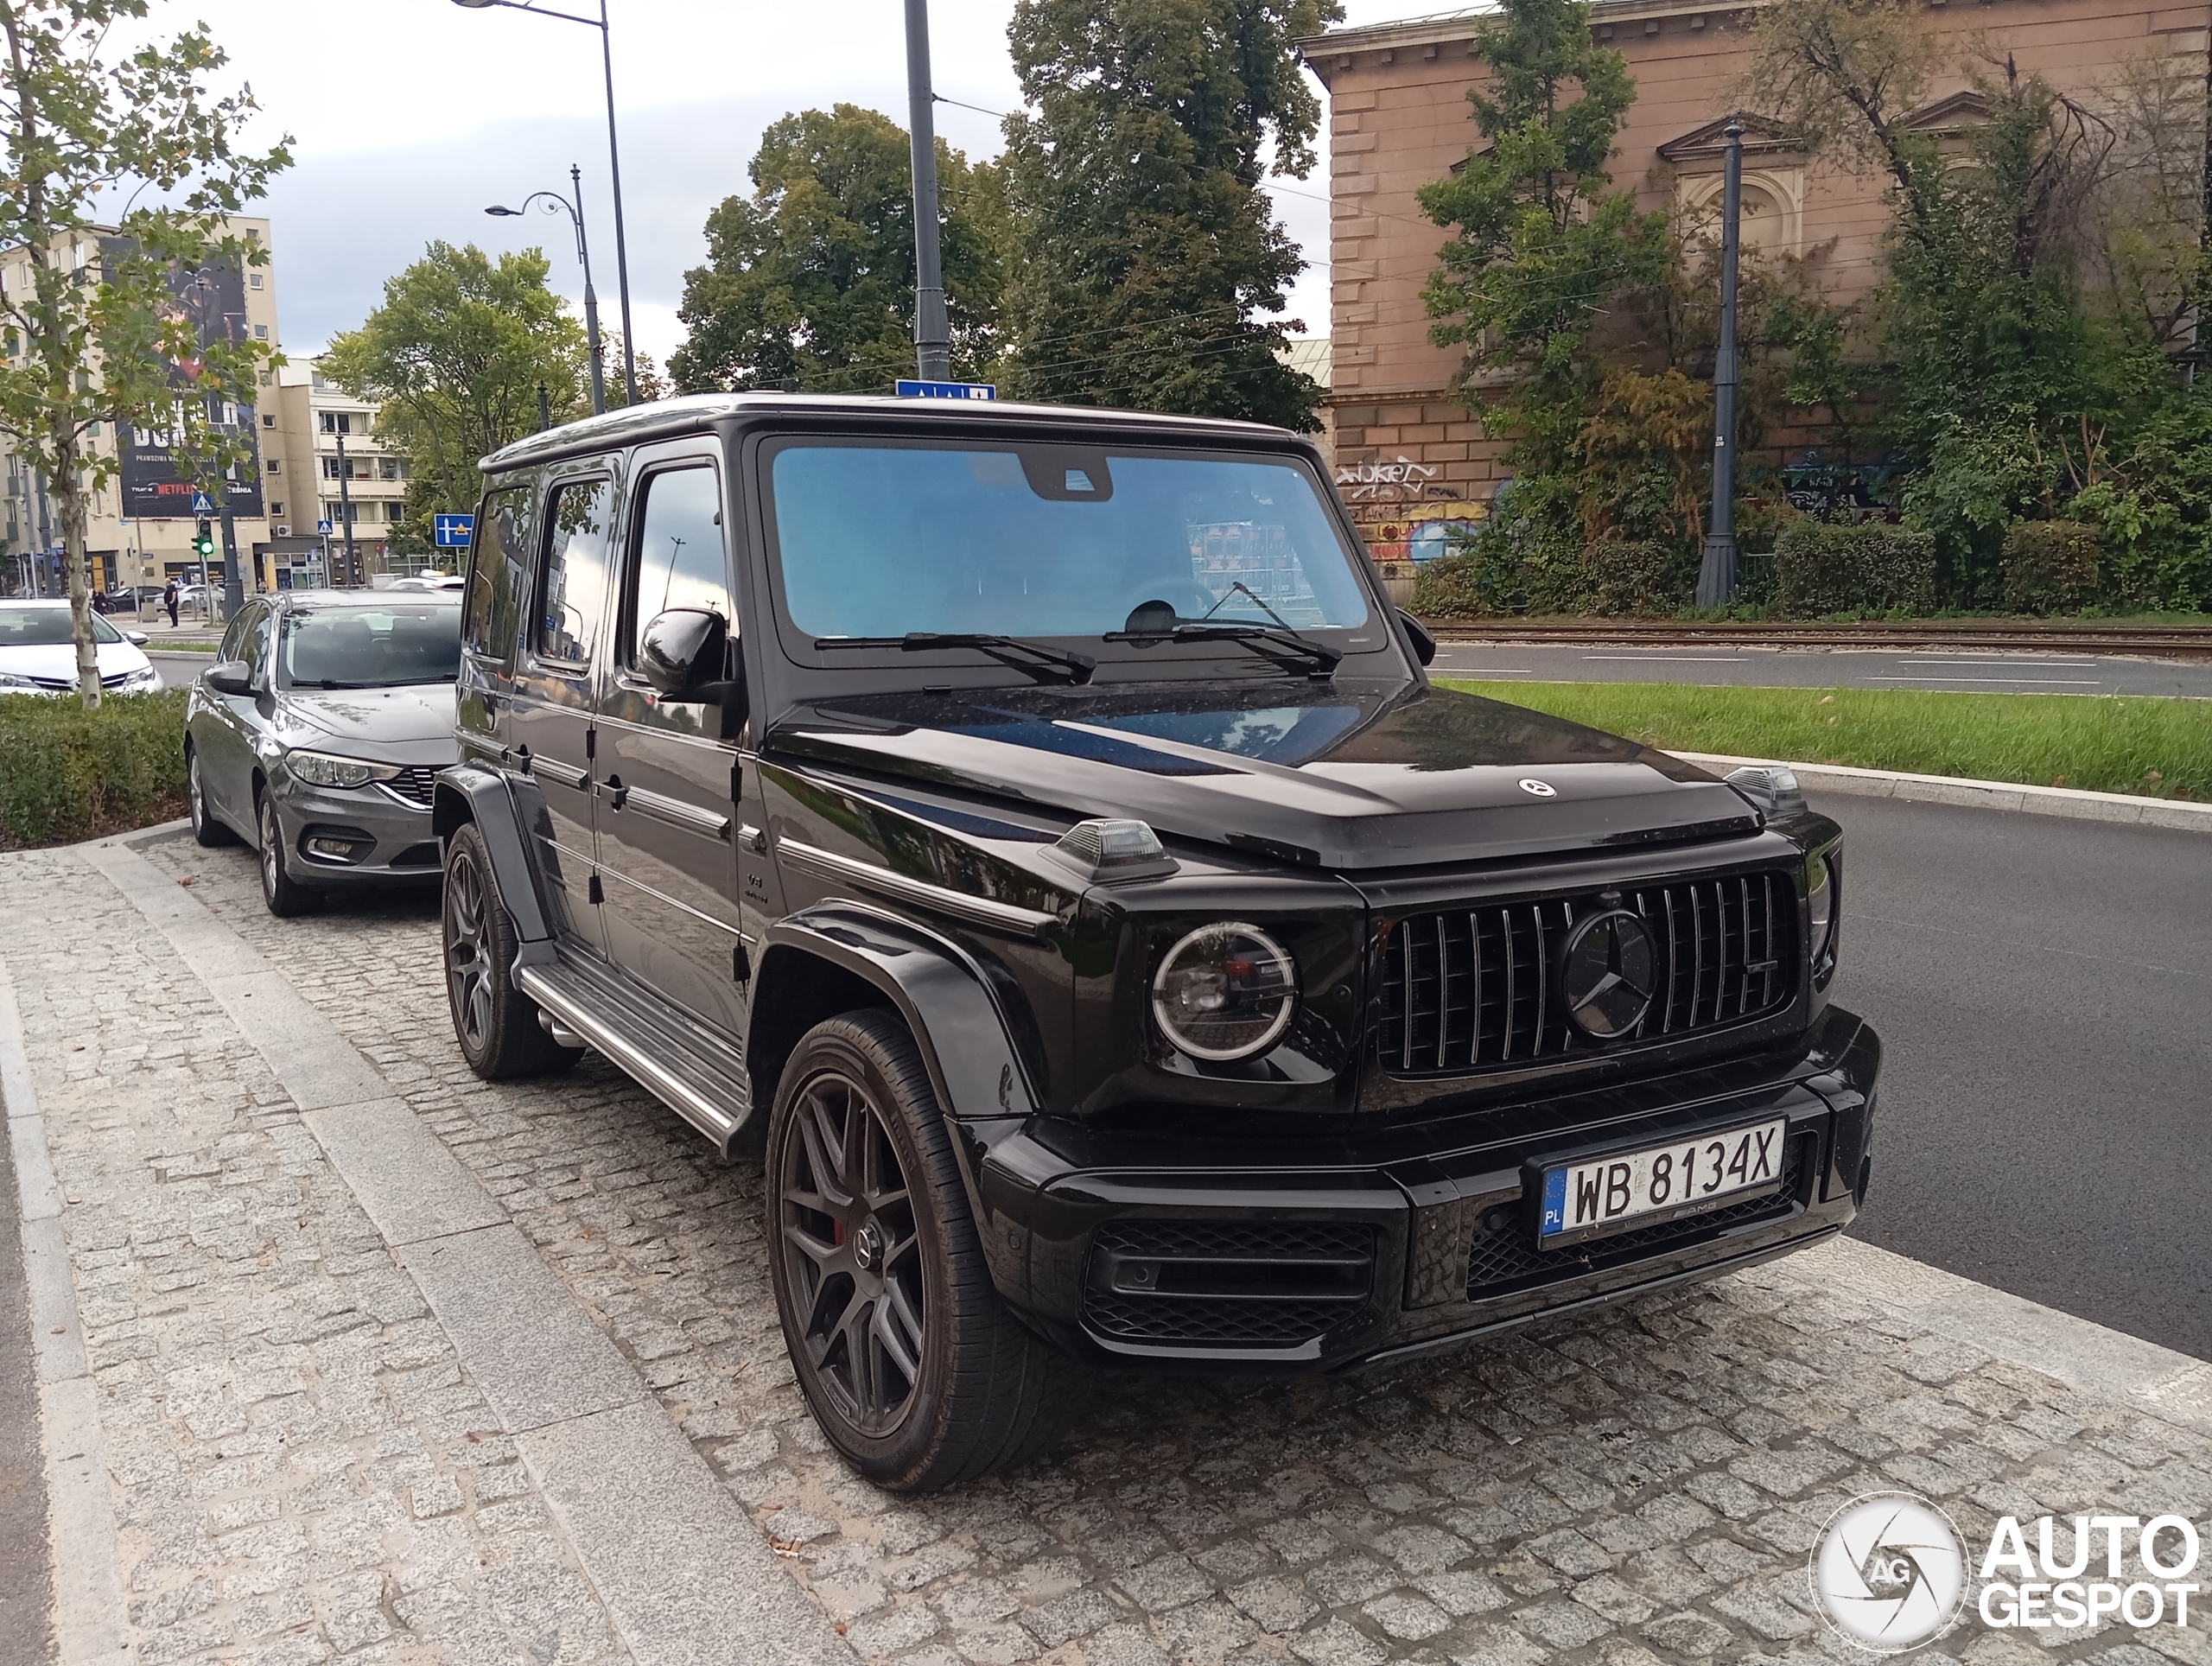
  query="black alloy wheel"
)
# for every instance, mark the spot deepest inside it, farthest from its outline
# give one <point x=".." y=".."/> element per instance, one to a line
<point x="852" y="1253"/>
<point x="496" y="1024"/>
<point x="285" y="896"/>
<point x="914" y="1367"/>
<point x="206" y="828"/>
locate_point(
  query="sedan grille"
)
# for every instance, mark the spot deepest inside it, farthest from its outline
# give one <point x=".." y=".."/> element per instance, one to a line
<point x="1469" y="989"/>
<point x="413" y="786"/>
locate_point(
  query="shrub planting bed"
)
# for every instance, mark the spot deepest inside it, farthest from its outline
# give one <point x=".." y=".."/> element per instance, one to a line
<point x="67" y="774"/>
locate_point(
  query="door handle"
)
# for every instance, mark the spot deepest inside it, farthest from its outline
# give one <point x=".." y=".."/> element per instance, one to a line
<point x="752" y="839"/>
<point x="617" y="795"/>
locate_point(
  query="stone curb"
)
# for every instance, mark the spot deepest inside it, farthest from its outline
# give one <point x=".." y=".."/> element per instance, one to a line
<point x="2127" y="809"/>
<point x="686" y="1577"/>
<point x="87" y="1577"/>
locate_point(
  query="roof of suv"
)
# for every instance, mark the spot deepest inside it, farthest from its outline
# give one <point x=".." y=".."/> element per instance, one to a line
<point x="690" y="413"/>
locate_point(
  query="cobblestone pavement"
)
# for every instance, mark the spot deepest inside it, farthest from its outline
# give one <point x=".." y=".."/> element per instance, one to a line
<point x="1637" y="1486"/>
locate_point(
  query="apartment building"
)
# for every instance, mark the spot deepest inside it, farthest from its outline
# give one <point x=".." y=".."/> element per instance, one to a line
<point x="1411" y="458"/>
<point x="327" y="474"/>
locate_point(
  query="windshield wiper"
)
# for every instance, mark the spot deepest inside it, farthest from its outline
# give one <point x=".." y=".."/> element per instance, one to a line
<point x="1285" y="647"/>
<point x="1047" y="664"/>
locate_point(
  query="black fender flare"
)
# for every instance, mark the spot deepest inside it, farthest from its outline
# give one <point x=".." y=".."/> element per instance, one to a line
<point x="982" y="1085"/>
<point x="471" y="793"/>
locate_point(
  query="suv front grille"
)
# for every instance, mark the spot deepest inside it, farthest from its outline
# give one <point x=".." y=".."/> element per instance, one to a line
<point x="1227" y="1284"/>
<point x="1508" y="1259"/>
<point x="1470" y="989"/>
<point x="414" y="786"/>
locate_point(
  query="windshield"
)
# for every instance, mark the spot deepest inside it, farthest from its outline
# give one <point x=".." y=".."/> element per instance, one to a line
<point x="410" y="641"/>
<point x="47" y="627"/>
<point x="877" y="539"/>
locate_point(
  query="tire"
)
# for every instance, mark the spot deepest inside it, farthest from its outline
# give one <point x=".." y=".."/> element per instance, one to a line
<point x="285" y="896"/>
<point x="207" y="828"/>
<point x="913" y="1367"/>
<point x="495" y="1023"/>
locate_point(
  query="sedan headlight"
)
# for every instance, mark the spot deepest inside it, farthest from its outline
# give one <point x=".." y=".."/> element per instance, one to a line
<point x="1224" y="992"/>
<point x="9" y="680"/>
<point x="1820" y="883"/>
<point x="322" y="769"/>
<point x="145" y="677"/>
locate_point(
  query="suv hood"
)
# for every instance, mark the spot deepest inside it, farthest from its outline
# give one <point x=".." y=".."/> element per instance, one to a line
<point x="1337" y="777"/>
<point x="413" y="711"/>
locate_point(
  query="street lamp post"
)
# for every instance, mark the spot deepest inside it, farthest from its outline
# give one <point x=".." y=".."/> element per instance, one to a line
<point x="1716" y="578"/>
<point x="346" y="513"/>
<point x="553" y="200"/>
<point x="614" y="163"/>
<point x="932" y="334"/>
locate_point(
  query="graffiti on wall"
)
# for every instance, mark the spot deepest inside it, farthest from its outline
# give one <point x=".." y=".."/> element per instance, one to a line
<point x="1421" y="532"/>
<point x="1380" y="482"/>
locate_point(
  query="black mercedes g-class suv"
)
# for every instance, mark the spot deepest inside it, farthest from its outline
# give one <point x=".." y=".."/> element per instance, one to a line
<point x="1034" y="832"/>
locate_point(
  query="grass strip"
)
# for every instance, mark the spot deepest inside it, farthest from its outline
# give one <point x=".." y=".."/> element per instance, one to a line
<point x="2101" y="743"/>
<point x="67" y="774"/>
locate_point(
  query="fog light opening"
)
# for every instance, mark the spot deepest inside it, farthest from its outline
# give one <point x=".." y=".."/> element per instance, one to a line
<point x="339" y="846"/>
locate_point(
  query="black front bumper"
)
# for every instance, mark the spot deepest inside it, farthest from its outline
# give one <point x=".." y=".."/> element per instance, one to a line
<point x="1147" y="1250"/>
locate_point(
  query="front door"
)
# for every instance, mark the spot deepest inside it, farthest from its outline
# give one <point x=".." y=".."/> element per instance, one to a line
<point x="549" y="733"/>
<point x="667" y="779"/>
<point x="227" y="743"/>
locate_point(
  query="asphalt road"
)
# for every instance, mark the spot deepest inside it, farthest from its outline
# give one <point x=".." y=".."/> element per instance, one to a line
<point x="2042" y="988"/>
<point x="1989" y="672"/>
<point x="178" y="669"/>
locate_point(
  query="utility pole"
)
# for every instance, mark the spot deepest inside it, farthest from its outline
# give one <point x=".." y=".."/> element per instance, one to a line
<point x="233" y="582"/>
<point x="353" y="576"/>
<point x="1716" y="578"/>
<point x="591" y="305"/>
<point x="932" y="334"/>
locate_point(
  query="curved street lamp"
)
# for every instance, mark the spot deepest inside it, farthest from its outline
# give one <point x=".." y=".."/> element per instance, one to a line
<point x="555" y="203"/>
<point x="613" y="159"/>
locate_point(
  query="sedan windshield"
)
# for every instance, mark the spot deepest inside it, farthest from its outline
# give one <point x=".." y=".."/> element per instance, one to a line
<point x="884" y="540"/>
<point x="414" y="640"/>
<point x="46" y="627"/>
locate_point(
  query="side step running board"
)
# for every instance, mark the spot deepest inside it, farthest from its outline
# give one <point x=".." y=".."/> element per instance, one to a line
<point x="697" y="1075"/>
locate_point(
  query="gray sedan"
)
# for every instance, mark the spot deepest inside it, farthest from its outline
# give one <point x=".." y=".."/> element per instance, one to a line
<point x="318" y="733"/>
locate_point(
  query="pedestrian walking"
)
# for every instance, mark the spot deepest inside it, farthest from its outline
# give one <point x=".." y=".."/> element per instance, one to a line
<point x="169" y="599"/>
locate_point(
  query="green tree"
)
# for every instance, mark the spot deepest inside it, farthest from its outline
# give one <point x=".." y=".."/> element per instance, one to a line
<point x="809" y="281"/>
<point x="103" y="340"/>
<point x="1152" y="261"/>
<point x="1541" y="243"/>
<point x="454" y="359"/>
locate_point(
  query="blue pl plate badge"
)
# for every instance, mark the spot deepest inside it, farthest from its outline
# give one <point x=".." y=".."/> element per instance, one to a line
<point x="1555" y="1202"/>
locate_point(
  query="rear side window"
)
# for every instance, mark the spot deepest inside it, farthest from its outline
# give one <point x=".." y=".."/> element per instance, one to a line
<point x="678" y="559"/>
<point x="496" y="578"/>
<point x="571" y="597"/>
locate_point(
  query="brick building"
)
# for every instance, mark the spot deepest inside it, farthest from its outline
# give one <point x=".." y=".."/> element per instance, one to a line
<point x="1412" y="459"/>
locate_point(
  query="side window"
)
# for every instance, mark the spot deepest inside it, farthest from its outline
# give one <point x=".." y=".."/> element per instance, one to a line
<point x="495" y="577"/>
<point x="572" y="584"/>
<point x="233" y="644"/>
<point x="676" y="561"/>
<point x="253" y="644"/>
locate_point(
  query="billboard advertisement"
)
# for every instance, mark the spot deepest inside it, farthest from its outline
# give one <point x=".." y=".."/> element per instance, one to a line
<point x="157" y="480"/>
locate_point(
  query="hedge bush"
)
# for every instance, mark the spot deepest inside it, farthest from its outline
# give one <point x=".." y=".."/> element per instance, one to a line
<point x="1638" y="576"/>
<point x="1822" y="568"/>
<point x="67" y="774"/>
<point x="2049" y="567"/>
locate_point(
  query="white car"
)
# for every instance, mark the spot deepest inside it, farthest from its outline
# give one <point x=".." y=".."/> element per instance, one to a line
<point x="38" y="657"/>
<point x="434" y="581"/>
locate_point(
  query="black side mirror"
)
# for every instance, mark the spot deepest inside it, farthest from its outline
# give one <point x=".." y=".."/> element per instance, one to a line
<point x="680" y="650"/>
<point x="229" y="676"/>
<point x="1424" y="644"/>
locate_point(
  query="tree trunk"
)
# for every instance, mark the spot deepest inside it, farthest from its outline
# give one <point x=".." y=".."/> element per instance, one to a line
<point x="70" y="484"/>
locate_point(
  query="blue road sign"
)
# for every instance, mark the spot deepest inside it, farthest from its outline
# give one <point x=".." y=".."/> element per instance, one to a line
<point x="946" y="389"/>
<point x="203" y="504"/>
<point x="452" y="531"/>
<point x="322" y="526"/>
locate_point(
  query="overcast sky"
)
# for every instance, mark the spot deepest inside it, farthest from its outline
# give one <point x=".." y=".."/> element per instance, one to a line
<point x="409" y="116"/>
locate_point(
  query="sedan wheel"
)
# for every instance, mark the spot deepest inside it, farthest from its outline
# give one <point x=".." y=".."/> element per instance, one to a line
<point x="206" y="829"/>
<point x="284" y="896"/>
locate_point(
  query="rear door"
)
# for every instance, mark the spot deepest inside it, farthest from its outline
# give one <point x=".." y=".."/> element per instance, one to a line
<point x="667" y="779"/>
<point x="550" y="728"/>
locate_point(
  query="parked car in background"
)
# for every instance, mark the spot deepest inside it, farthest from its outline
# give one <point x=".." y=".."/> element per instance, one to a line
<point x="317" y="734"/>
<point x="1035" y="829"/>
<point x="38" y="655"/>
<point x="436" y="583"/>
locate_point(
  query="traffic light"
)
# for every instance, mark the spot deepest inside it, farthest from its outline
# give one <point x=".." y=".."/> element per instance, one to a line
<point x="203" y="542"/>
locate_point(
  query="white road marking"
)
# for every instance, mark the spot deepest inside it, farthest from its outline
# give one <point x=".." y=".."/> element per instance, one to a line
<point x="2055" y="682"/>
<point x="1668" y="658"/>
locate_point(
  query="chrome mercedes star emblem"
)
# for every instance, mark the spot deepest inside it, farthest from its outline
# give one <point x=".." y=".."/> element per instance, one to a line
<point x="1606" y="974"/>
<point x="1539" y="788"/>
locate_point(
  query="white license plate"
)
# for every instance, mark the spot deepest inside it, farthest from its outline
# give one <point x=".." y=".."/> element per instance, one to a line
<point x="1607" y="1194"/>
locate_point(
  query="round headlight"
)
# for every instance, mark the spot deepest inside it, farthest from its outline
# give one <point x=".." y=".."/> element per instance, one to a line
<point x="1224" y="992"/>
<point x="1820" y="908"/>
